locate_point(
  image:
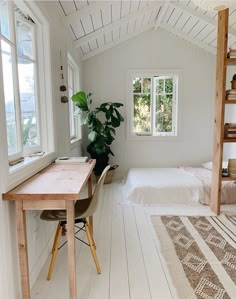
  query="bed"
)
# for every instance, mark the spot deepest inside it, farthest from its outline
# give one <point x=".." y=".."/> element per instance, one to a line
<point x="150" y="186"/>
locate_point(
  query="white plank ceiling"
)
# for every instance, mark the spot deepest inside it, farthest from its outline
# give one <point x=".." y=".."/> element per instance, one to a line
<point x="99" y="25"/>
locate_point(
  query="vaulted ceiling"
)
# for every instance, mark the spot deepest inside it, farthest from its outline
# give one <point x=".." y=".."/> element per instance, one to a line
<point x="99" y="25"/>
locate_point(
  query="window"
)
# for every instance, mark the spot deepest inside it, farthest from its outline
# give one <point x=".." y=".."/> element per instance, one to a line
<point x="24" y="64"/>
<point x="75" y="128"/>
<point x="154" y="104"/>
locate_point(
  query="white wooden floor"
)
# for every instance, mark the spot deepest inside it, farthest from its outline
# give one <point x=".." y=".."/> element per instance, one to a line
<point x="132" y="266"/>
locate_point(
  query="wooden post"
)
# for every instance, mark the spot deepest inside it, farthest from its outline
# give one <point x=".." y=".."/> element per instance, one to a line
<point x="221" y="63"/>
<point x="22" y="247"/>
<point x="70" y="210"/>
<point x="90" y="193"/>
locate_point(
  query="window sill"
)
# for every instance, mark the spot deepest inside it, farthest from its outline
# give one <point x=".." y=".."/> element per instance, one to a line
<point x="153" y="138"/>
<point x="24" y="170"/>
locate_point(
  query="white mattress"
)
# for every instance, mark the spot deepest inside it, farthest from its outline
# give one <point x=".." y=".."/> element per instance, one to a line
<point x="150" y="186"/>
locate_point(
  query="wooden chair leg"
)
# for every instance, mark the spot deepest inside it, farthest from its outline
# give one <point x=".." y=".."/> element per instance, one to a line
<point x="54" y="254"/>
<point x="92" y="248"/>
<point x="56" y="237"/>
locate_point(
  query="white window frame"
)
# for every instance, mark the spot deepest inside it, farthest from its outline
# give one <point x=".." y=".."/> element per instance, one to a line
<point x="14" y="175"/>
<point x="152" y="73"/>
<point x="74" y="118"/>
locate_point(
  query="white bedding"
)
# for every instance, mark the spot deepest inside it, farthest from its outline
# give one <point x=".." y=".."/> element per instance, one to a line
<point x="149" y="186"/>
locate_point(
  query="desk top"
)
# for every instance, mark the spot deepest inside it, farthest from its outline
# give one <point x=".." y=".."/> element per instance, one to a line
<point x="55" y="181"/>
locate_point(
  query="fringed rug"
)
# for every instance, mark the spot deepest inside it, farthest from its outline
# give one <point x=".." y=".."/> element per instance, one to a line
<point x="200" y="254"/>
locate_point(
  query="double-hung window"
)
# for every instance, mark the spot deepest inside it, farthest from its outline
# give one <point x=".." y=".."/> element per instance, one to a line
<point x="154" y="108"/>
<point x="24" y="63"/>
<point x="73" y="87"/>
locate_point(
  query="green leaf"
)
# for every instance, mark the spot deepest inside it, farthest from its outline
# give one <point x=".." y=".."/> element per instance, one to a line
<point x="80" y="99"/>
<point x="115" y="121"/>
<point x="92" y="136"/>
<point x="119" y="116"/>
<point x="117" y="105"/>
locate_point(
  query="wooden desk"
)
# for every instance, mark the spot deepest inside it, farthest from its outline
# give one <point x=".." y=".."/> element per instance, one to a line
<point x="56" y="187"/>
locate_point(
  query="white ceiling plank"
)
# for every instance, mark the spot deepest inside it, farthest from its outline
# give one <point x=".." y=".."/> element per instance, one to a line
<point x="125" y="7"/>
<point x="113" y="25"/>
<point x="168" y="13"/>
<point x="80" y="4"/>
<point x="205" y="32"/>
<point x="185" y="36"/>
<point x="190" y="24"/>
<point x="78" y="30"/>
<point x="182" y="21"/>
<point x="199" y="16"/>
<point x="85" y="49"/>
<point x="211" y="37"/>
<point x="93" y="44"/>
<point x="83" y="11"/>
<point x="114" y="43"/>
<point x="197" y="29"/>
<point x="116" y="10"/>
<point x="68" y="7"/>
<point x="232" y="18"/>
<point x="123" y="29"/>
<point x="87" y="24"/>
<point x="147" y="17"/>
<point x="116" y="33"/>
<point x="139" y="22"/>
<point x="143" y="4"/>
<point x="155" y="14"/>
<point x="131" y="26"/>
<point x="134" y="6"/>
<point x="161" y="14"/>
<point x="101" y="41"/>
<point x="106" y="15"/>
<point x="214" y="43"/>
<point x="96" y="19"/>
<point x="108" y="37"/>
<point x="175" y="17"/>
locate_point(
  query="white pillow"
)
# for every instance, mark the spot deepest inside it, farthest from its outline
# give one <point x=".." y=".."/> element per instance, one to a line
<point x="208" y="165"/>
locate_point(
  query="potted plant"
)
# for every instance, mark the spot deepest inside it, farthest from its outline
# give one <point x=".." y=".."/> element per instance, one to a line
<point x="102" y="123"/>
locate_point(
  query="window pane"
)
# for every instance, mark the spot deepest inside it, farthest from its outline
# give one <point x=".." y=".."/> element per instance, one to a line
<point x="142" y="113"/>
<point x="28" y="104"/>
<point x="147" y="85"/>
<point x="159" y="86"/>
<point x="169" y="85"/>
<point x="137" y="85"/>
<point x="9" y="98"/>
<point x="24" y="39"/>
<point x="4" y="20"/>
<point x="164" y="113"/>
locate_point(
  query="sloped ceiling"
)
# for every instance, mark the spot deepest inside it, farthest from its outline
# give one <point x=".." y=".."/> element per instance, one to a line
<point x="99" y="25"/>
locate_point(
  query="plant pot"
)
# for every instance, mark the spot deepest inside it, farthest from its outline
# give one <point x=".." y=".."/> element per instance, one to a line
<point x="109" y="175"/>
<point x="233" y="84"/>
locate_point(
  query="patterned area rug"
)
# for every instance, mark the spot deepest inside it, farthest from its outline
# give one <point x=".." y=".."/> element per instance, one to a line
<point x="200" y="253"/>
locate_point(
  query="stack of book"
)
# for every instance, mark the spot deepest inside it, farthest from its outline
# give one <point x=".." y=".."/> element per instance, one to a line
<point x="230" y="130"/>
<point x="231" y="53"/>
<point x="231" y="94"/>
<point x="232" y="167"/>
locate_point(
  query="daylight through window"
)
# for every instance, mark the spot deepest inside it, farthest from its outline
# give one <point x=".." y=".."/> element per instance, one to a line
<point x="155" y="105"/>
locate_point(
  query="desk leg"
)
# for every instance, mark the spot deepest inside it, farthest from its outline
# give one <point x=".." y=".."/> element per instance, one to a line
<point x="70" y="209"/>
<point x="22" y="248"/>
<point x="90" y="193"/>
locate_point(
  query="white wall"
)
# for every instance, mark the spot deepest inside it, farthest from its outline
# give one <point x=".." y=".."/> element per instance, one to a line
<point x="39" y="233"/>
<point x="105" y="76"/>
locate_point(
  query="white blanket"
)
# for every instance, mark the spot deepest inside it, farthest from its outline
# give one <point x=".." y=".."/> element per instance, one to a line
<point x="151" y="186"/>
<point x="148" y="186"/>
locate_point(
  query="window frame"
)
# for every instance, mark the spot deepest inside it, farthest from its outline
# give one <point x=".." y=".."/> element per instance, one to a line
<point x="14" y="175"/>
<point x="74" y="118"/>
<point x="152" y="73"/>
